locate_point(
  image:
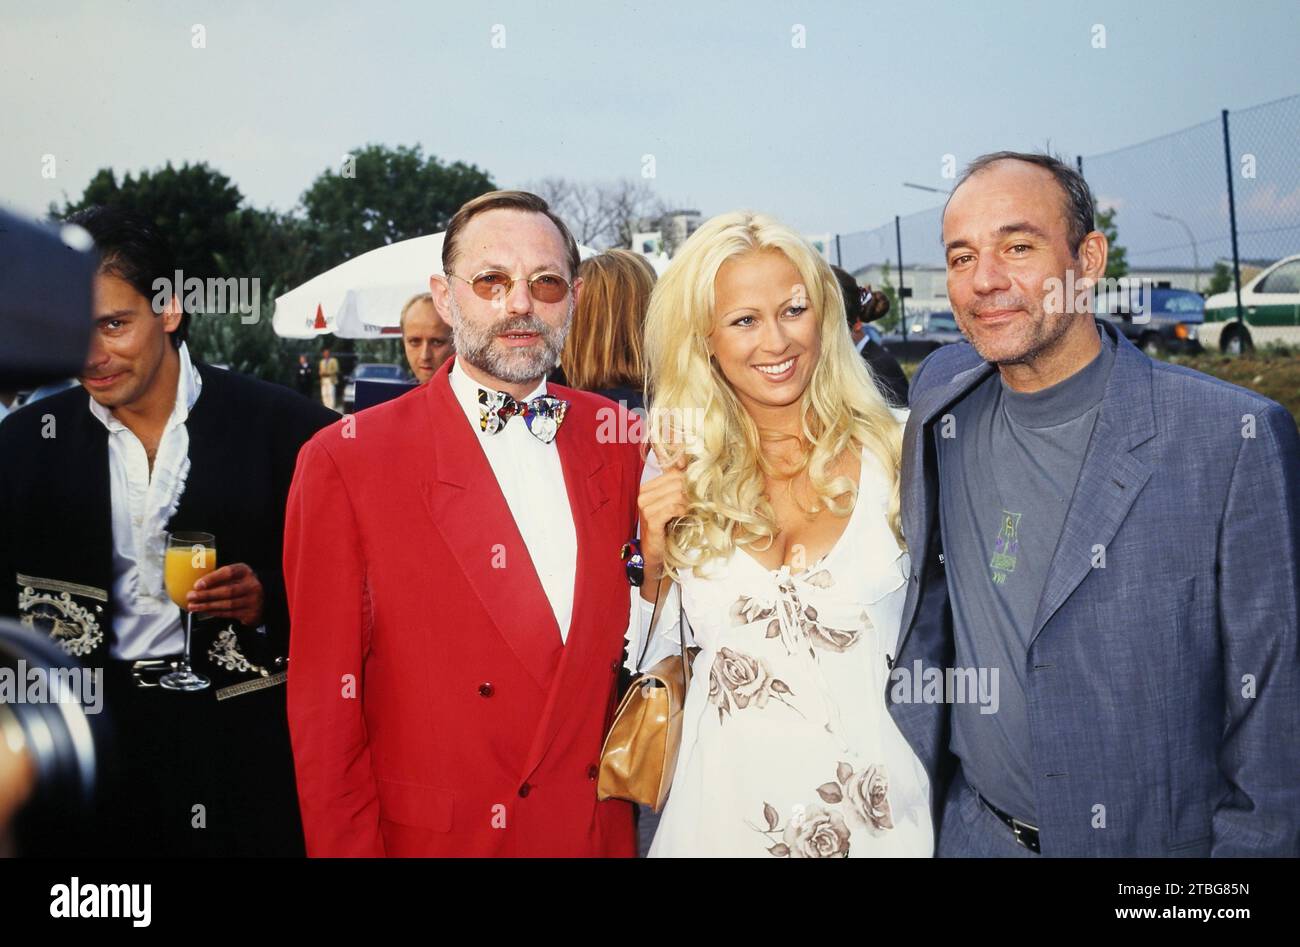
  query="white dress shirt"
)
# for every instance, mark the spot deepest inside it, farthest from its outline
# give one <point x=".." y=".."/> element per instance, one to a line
<point x="530" y="476"/>
<point x="147" y="623"/>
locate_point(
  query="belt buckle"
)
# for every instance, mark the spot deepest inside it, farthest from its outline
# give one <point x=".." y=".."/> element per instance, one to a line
<point x="146" y="673"/>
<point x="1017" y="827"/>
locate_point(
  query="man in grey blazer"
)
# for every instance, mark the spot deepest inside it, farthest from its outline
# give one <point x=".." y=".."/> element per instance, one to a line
<point x="1112" y="542"/>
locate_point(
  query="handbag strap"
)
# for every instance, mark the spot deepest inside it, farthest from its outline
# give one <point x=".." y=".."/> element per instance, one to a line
<point x="660" y="594"/>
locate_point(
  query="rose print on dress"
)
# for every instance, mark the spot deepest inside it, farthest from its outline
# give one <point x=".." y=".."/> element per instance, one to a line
<point x="818" y="831"/>
<point x="865" y="794"/>
<point x="747" y="610"/>
<point x="813" y="832"/>
<point x="740" y="681"/>
<point x="821" y="579"/>
<point x="800" y="617"/>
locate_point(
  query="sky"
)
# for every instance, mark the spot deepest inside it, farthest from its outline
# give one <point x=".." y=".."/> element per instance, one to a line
<point x="815" y="112"/>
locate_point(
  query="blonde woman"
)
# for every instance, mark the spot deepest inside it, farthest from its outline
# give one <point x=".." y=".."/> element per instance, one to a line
<point x="603" y="351"/>
<point x="779" y="517"/>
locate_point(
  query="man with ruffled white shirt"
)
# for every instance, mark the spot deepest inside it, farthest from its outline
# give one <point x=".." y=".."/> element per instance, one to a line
<point x="93" y="480"/>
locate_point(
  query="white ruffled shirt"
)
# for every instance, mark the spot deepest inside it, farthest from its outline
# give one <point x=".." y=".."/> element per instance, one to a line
<point x="146" y="622"/>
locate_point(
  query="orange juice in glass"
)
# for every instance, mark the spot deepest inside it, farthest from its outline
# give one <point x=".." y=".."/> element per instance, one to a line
<point x="189" y="557"/>
<point x="185" y="565"/>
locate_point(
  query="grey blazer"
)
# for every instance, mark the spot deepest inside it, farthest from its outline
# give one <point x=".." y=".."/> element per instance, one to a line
<point x="1163" y="687"/>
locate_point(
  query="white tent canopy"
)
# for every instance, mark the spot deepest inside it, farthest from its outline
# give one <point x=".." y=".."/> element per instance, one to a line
<point x="362" y="298"/>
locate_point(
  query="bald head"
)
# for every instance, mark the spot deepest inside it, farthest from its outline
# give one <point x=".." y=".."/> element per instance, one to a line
<point x="426" y="338"/>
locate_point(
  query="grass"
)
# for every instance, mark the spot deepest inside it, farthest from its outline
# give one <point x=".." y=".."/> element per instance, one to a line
<point x="1273" y="371"/>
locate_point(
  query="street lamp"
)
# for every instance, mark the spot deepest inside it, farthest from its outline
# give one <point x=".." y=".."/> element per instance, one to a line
<point x="1196" y="263"/>
<point x="922" y="187"/>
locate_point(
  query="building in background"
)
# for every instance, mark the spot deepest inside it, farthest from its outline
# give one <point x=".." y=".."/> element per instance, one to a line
<point x="661" y="236"/>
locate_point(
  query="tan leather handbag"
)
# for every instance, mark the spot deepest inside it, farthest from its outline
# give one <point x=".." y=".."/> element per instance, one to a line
<point x="640" y="752"/>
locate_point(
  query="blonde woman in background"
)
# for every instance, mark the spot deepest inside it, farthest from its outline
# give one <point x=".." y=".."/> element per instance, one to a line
<point x="779" y="517"/>
<point x="603" y="352"/>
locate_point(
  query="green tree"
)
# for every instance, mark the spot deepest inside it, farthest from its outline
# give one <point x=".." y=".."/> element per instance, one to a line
<point x="382" y="195"/>
<point x="196" y="207"/>
<point x="1220" y="280"/>
<point x="1117" y="261"/>
<point x="214" y="235"/>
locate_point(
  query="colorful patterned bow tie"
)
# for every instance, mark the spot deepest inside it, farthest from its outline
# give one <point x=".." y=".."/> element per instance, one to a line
<point x="543" y="415"/>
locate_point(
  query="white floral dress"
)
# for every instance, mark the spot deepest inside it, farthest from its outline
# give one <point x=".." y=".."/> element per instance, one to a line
<point x="787" y="747"/>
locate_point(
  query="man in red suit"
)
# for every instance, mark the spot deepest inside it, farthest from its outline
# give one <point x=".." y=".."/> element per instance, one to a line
<point x="458" y="603"/>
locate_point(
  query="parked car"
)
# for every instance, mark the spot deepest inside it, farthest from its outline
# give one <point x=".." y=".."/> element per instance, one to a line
<point x="1155" y="319"/>
<point x="925" y="333"/>
<point x="371" y="371"/>
<point x="1270" y="310"/>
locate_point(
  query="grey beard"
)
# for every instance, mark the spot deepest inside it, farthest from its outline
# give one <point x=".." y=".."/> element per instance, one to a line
<point x="478" y="346"/>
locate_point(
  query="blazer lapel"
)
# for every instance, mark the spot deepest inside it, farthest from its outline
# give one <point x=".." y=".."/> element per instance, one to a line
<point x="586" y="478"/>
<point x="1109" y="481"/>
<point x="470" y="511"/>
<point x="920" y="489"/>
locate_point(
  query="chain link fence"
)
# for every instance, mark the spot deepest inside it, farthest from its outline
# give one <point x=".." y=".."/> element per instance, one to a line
<point x="1193" y="209"/>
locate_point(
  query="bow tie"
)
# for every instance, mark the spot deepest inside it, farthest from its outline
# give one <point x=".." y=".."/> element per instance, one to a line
<point x="543" y="415"/>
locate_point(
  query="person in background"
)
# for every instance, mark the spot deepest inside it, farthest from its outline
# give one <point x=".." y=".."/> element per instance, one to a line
<point x="302" y="376"/>
<point x="863" y="305"/>
<point x="426" y="337"/>
<point x="603" y="354"/>
<point x="92" y="481"/>
<point x="603" y="351"/>
<point x="329" y="379"/>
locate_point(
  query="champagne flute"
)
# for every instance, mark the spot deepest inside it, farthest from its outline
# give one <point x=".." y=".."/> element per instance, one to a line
<point x="190" y="556"/>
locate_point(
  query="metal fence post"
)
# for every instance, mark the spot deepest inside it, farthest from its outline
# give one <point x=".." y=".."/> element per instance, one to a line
<point x="1232" y="216"/>
<point x="902" y="307"/>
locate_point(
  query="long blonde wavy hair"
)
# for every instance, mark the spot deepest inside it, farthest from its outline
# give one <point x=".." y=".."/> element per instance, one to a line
<point x="696" y="414"/>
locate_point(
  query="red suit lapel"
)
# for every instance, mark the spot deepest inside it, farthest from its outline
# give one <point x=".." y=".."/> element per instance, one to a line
<point x="587" y="478"/>
<point x="470" y="511"/>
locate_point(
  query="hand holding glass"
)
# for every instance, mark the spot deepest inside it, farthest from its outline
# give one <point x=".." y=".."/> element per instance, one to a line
<point x="190" y="556"/>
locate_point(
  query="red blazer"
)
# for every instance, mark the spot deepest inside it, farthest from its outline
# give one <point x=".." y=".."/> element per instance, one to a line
<point x="433" y="708"/>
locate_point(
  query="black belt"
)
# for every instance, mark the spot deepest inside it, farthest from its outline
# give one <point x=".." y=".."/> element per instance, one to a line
<point x="146" y="673"/>
<point x="129" y="673"/>
<point x="1026" y="834"/>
